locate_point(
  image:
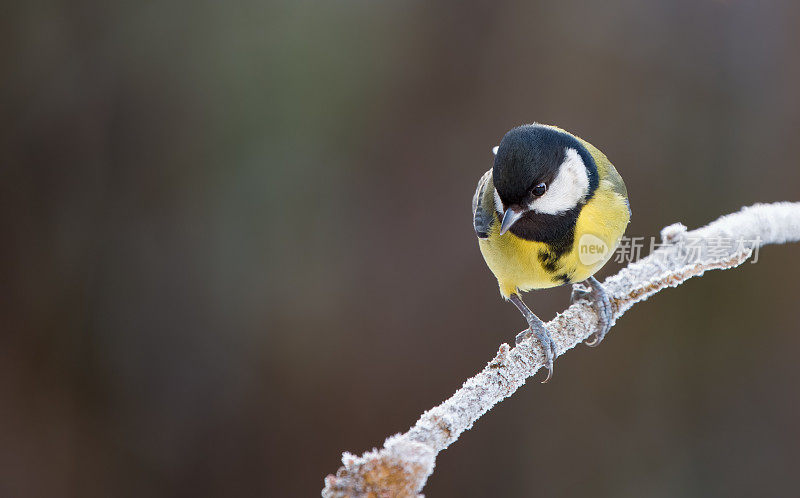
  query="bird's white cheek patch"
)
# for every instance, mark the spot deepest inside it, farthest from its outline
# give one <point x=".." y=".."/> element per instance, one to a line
<point x="569" y="187"/>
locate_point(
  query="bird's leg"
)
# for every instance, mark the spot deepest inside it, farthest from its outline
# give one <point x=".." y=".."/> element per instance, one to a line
<point x="537" y="328"/>
<point x="602" y="306"/>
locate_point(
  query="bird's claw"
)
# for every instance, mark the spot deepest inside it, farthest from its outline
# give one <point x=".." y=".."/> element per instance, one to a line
<point x="578" y="292"/>
<point x="598" y="297"/>
<point x="547" y="343"/>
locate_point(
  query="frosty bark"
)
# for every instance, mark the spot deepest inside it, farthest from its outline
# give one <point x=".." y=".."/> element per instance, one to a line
<point x="402" y="466"/>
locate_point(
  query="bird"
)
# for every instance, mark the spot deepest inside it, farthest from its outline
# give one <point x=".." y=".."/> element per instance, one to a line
<point x="550" y="211"/>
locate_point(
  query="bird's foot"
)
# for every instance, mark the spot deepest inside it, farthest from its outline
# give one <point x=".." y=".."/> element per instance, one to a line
<point x="601" y="303"/>
<point x="540" y="331"/>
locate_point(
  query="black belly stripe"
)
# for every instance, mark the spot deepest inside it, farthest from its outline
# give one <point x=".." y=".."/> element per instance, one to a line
<point x="564" y="278"/>
<point x="557" y="232"/>
<point x="549" y="260"/>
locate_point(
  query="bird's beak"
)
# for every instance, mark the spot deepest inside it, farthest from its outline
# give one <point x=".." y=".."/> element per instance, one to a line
<point x="512" y="214"/>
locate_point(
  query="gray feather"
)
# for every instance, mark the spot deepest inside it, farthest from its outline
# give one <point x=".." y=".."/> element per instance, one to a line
<point x="483" y="206"/>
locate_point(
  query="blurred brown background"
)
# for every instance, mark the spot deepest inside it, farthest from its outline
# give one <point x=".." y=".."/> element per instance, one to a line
<point x="236" y="241"/>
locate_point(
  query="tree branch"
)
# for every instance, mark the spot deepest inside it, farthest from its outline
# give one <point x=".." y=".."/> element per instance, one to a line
<point x="402" y="466"/>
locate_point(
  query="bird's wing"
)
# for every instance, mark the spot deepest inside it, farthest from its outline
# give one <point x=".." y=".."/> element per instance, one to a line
<point x="482" y="216"/>
<point x="610" y="175"/>
<point x="616" y="180"/>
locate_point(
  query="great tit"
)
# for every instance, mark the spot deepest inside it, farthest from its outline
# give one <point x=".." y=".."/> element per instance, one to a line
<point x="550" y="211"/>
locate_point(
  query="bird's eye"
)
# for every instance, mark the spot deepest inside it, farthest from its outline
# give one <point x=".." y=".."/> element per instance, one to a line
<point x="539" y="190"/>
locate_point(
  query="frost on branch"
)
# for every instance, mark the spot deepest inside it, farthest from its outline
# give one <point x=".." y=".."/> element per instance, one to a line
<point x="393" y="471"/>
<point x="402" y="466"/>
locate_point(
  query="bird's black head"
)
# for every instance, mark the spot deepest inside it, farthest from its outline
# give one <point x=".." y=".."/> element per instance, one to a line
<point x="541" y="170"/>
